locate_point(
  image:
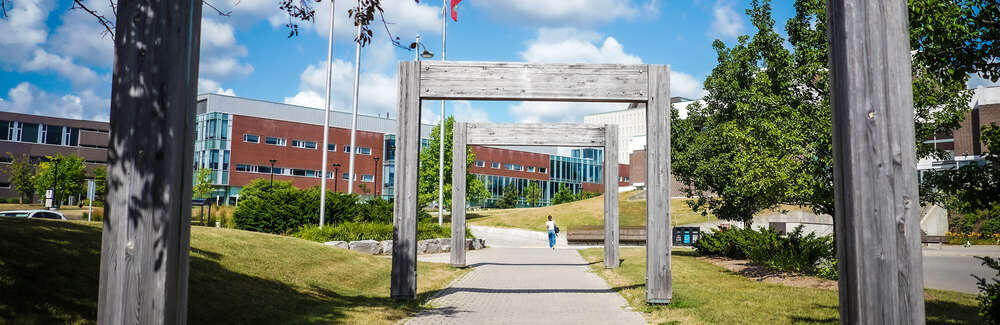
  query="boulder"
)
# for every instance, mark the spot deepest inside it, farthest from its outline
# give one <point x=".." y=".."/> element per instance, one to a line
<point x="385" y="247"/>
<point x="337" y="243"/>
<point x="365" y="246"/>
<point x="478" y="243"/>
<point x="468" y="244"/>
<point x="444" y="241"/>
<point x="433" y="247"/>
<point x="422" y="247"/>
<point x="445" y="248"/>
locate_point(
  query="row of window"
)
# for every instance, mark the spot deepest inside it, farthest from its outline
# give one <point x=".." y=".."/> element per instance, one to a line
<point x="263" y="169"/>
<point x="281" y="142"/>
<point x="39" y="133"/>
<point x="515" y="167"/>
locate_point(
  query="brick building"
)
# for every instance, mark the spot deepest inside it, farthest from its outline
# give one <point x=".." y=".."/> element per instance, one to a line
<point x="965" y="145"/>
<point x="39" y="136"/>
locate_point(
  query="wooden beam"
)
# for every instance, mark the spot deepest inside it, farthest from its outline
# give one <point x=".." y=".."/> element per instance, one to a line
<point x="659" y="289"/>
<point x="877" y="219"/>
<point x="533" y="81"/>
<point x="146" y="234"/>
<point x="403" y="284"/>
<point x="611" y="259"/>
<point x="538" y="134"/>
<point x="458" y="173"/>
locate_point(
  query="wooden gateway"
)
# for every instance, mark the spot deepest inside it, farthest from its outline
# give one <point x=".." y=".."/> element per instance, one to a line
<point x="635" y="83"/>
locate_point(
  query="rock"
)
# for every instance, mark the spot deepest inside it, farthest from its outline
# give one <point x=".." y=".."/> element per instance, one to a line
<point x="468" y="244"/>
<point x="445" y="248"/>
<point x="433" y="247"/>
<point x="444" y="241"/>
<point x="365" y="246"/>
<point x="385" y="247"/>
<point x="337" y="243"/>
<point x="422" y="247"/>
<point x="478" y="243"/>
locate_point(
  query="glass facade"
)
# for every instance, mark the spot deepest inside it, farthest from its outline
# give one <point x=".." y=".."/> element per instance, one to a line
<point x="584" y="166"/>
<point x="212" y="149"/>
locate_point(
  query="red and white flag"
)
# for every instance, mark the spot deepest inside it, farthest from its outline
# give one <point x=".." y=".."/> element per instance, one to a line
<point x="454" y="14"/>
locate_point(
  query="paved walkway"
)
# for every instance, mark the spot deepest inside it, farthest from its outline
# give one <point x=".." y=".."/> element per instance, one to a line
<point x="527" y="286"/>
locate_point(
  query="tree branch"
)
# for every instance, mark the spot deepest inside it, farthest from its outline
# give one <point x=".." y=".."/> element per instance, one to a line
<point x="108" y="24"/>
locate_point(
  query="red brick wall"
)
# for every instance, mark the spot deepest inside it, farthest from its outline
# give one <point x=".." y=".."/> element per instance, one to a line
<point x="503" y="156"/>
<point x="967" y="133"/>
<point x="292" y="157"/>
<point x="637" y="167"/>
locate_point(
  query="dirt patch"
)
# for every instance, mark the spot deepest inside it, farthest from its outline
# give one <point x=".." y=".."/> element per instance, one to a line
<point x="762" y="273"/>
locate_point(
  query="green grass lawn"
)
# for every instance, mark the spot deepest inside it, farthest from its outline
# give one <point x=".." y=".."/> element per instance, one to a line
<point x="583" y="213"/>
<point x="708" y="294"/>
<point x="49" y="273"/>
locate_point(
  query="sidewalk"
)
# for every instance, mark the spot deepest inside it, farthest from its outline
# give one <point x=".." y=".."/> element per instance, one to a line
<point x="527" y="286"/>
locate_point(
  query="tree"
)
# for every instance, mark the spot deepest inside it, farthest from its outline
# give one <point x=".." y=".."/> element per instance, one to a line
<point x="956" y="37"/>
<point x="202" y="183"/>
<point x="63" y="173"/>
<point x="533" y="193"/>
<point x="510" y="197"/>
<point x="428" y="170"/>
<point x="564" y="195"/>
<point x="972" y="189"/>
<point x="21" y="173"/>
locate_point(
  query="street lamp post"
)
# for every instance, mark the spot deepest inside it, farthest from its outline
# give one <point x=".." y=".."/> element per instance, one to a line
<point x="271" y="183"/>
<point x="55" y="183"/>
<point x="377" y="169"/>
<point x="336" y="176"/>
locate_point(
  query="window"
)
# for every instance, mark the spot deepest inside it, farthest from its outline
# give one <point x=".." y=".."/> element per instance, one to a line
<point x="495" y="165"/>
<point x="6" y="160"/>
<point x="29" y="132"/>
<point x="71" y="136"/>
<point x="331" y="147"/>
<point x="225" y="160"/>
<point x="512" y="167"/>
<point x="344" y="176"/>
<point x="4" y="185"/>
<point x="278" y="171"/>
<point x="347" y="149"/>
<point x="531" y="169"/>
<point x="5" y="127"/>
<point x="243" y="168"/>
<point x="214" y="162"/>
<point x="52" y="134"/>
<point x="264" y="169"/>
<point x="251" y="138"/>
<point x="480" y="163"/>
<point x="275" y="141"/>
<point x="304" y="144"/>
<point x="298" y="172"/>
<point x="364" y="151"/>
<point x="368" y="178"/>
<point x="543" y="170"/>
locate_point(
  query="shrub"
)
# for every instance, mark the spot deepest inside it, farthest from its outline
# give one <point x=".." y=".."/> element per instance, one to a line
<point x="351" y="231"/>
<point x="989" y="292"/>
<point x="791" y="252"/>
<point x="273" y="208"/>
<point x="375" y="210"/>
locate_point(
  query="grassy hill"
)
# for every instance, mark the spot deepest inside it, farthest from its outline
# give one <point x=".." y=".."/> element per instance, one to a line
<point x="586" y="213"/>
<point x="49" y="273"/>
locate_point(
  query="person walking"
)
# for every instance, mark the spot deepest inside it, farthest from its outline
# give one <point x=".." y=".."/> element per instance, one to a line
<point x="553" y="230"/>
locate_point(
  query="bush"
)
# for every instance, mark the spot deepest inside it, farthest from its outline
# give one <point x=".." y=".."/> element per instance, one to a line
<point x="989" y="292"/>
<point x="273" y="208"/>
<point x="85" y="203"/>
<point x="791" y="252"/>
<point x="351" y="231"/>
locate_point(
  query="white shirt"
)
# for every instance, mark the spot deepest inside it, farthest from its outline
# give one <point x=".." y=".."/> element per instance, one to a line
<point x="551" y="225"/>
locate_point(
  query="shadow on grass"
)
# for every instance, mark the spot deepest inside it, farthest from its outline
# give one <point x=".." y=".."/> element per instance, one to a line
<point x="947" y="312"/>
<point x="49" y="273"/>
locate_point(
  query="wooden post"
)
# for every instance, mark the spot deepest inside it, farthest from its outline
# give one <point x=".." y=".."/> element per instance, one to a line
<point x="145" y="240"/>
<point x="404" y="237"/>
<point x="875" y="179"/>
<point x="659" y="289"/>
<point x="458" y="181"/>
<point x="611" y="230"/>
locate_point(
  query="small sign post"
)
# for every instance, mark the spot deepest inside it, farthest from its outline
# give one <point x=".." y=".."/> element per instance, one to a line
<point x="90" y="198"/>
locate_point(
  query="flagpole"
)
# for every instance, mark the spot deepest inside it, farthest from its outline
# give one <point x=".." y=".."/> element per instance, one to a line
<point x="326" y="119"/>
<point x="444" y="37"/>
<point x="354" y="116"/>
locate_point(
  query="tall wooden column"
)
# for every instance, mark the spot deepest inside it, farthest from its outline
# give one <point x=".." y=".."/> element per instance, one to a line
<point x="458" y="189"/>
<point x="145" y="240"/>
<point x="877" y="209"/>
<point x="611" y="230"/>
<point x="403" y="285"/>
<point x="659" y="289"/>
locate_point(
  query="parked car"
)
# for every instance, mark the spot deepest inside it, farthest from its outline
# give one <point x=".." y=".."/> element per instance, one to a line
<point x="33" y="214"/>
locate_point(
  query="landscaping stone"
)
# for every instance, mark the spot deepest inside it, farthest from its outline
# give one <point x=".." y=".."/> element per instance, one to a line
<point x="385" y="247"/>
<point x="337" y="243"/>
<point x="422" y="247"/>
<point x="478" y="243"/>
<point x="366" y="246"/>
<point x="468" y="244"/>
<point x="433" y="247"/>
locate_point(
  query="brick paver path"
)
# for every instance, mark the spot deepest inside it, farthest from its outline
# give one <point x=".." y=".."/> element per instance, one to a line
<point x="528" y="286"/>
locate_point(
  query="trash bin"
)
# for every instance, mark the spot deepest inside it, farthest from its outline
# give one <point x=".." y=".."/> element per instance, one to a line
<point x="685" y="236"/>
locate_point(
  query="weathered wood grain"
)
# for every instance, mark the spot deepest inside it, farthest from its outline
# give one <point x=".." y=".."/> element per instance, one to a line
<point x="659" y="289"/>
<point x="538" y="134"/>
<point x="146" y="231"/>
<point x="404" y="239"/>
<point x="458" y="189"/>
<point x="611" y="230"/>
<point x="877" y="208"/>
<point x="533" y="81"/>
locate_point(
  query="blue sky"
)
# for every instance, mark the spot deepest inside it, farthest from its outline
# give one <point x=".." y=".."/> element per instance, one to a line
<point x="57" y="62"/>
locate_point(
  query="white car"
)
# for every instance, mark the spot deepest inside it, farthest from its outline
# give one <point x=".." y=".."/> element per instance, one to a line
<point x="33" y="214"/>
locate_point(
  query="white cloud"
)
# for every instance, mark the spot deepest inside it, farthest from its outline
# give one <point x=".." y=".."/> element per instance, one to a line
<point x="23" y="30"/>
<point x="82" y="38"/>
<point x="377" y="91"/>
<point x="535" y="112"/>
<point x="464" y="112"/>
<point x="429" y="114"/>
<point x="402" y="16"/>
<point x="78" y="75"/>
<point x="727" y="22"/>
<point x="212" y="86"/>
<point x="684" y="85"/>
<point x="220" y="52"/>
<point x="28" y="99"/>
<point x="563" y="12"/>
<point x="976" y="81"/>
<point x="568" y="45"/>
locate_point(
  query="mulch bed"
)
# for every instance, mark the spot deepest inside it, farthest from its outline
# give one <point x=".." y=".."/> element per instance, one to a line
<point x="762" y="273"/>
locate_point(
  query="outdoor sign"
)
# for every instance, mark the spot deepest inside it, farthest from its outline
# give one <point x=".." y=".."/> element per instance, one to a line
<point x="91" y="187"/>
<point x="48" y="198"/>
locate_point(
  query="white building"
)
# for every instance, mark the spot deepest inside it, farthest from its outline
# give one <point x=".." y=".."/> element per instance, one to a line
<point x="632" y="125"/>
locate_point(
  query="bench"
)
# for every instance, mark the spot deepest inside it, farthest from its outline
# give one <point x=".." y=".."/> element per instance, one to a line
<point x="626" y="235"/>
<point x="940" y="240"/>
